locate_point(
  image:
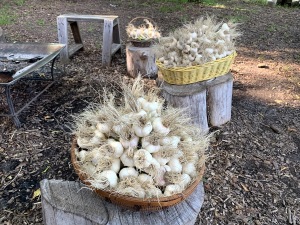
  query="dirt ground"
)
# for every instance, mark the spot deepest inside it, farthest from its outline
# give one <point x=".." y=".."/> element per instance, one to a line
<point x="252" y="174"/>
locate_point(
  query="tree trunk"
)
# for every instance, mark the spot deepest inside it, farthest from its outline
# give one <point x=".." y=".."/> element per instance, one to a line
<point x="140" y="60"/>
<point x="69" y="203"/>
<point x="193" y="97"/>
<point x="220" y="101"/>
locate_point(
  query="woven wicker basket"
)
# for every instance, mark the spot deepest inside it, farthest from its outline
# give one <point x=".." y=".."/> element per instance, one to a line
<point x="193" y="74"/>
<point x="149" y="204"/>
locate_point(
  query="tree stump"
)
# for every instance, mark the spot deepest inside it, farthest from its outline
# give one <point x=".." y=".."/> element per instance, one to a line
<point x="69" y="203"/>
<point x="140" y="60"/>
<point x="205" y="101"/>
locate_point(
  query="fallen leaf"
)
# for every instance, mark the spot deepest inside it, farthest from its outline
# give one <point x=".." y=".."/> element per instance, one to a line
<point x="36" y="193"/>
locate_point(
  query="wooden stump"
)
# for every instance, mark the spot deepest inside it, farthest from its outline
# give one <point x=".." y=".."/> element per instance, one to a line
<point x="69" y="203"/>
<point x="216" y="108"/>
<point x="140" y="60"/>
<point x="220" y="100"/>
<point x="192" y="97"/>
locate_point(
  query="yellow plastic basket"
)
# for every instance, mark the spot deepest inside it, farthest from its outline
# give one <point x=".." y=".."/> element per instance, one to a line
<point x="193" y="74"/>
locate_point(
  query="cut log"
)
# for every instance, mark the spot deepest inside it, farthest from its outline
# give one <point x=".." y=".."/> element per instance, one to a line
<point x="195" y="103"/>
<point x="220" y="101"/>
<point x="69" y="202"/>
<point x="193" y="97"/>
<point x="140" y="60"/>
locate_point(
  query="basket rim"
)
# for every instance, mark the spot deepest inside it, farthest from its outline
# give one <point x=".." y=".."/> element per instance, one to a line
<point x="182" y="68"/>
<point x="160" y="202"/>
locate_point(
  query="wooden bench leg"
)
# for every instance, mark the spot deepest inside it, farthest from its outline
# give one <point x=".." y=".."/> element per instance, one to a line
<point x="75" y="32"/>
<point x="62" y="30"/>
<point x="116" y="37"/>
<point x="107" y="42"/>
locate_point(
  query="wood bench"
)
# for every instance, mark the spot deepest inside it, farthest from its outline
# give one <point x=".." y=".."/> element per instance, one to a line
<point x="111" y="35"/>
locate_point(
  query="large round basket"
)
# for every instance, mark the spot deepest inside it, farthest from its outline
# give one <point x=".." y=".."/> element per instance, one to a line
<point x="149" y="204"/>
<point x="193" y="74"/>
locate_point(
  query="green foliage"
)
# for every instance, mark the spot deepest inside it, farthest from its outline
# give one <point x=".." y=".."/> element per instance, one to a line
<point x="6" y="17"/>
<point x="19" y="2"/>
<point x="258" y="2"/>
<point x="272" y="28"/>
<point x="209" y="2"/>
<point x="238" y="18"/>
<point x="40" y="22"/>
<point x="170" y="8"/>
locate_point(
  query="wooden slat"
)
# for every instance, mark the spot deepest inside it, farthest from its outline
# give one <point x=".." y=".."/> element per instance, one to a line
<point x="115" y="48"/>
<point x="89" y="18"/>
<point x="74" y="48"/>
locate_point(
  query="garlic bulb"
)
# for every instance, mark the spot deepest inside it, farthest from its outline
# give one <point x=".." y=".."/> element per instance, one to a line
<point x="175" y="165"/>
<point x="159" y="127"/>
<point x="190" y="169"/>
<point x="116" y="146"/>
<point x="142" y="158"/>
<point x="104" y="128"/>
<point x="144" y="178"/>
<point x="127" y="157"/>
<point x="105" y="179"/>
<point x="172" y="189"/>
<point x="128" y="172"/>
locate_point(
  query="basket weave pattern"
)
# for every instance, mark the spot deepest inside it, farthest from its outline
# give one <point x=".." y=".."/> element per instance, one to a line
<point x="193" y="74"/>
<point x="149" y="204"/>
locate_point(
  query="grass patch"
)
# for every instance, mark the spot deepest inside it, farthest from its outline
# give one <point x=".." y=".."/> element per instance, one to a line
<point x="6" y="17"/>
<point x="257" y="2"/>
<point x="272" y="28"/>
<point x="209" y="2"/>
<point x="40" y="22"/>
<point x="238" y="18"/>
<point x="19" y="2"/>
<point x="170" y="8"/>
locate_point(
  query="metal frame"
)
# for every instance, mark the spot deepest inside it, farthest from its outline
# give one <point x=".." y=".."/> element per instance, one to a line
<point x="9" y="100"/>
<point x="49" y="52"/>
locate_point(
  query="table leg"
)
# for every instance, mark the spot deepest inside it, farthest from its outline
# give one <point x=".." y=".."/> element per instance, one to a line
<point x="11" y="107"/>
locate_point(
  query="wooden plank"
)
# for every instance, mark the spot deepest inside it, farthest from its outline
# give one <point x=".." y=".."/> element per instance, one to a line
<point x="107" y="42"/>
<point x="115" y="48"/>
<point x="67" y="202"/>
<point x="75" y="32"/>
<point x="62" y="31"/>
<point x="89" y="18"/>
<point x="116" y="32"/>
<point x="74" y="48"/>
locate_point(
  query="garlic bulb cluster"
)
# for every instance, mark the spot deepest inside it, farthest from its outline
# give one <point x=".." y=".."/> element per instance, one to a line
<point x="197" y="43"/>
<point x="145" y="31"/>
<point x="139" y="148"/>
